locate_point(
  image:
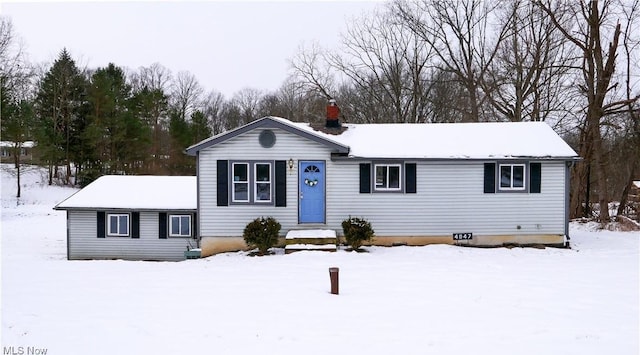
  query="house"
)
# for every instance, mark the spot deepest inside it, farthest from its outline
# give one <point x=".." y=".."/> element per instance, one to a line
<point x="132" y="217"/>
<point x="7" y="148"/>
<point x="471" y="183"/>
<point x="481" y="184"/>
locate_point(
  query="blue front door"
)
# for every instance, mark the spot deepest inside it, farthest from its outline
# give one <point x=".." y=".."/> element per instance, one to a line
<point x="311" y="200"/>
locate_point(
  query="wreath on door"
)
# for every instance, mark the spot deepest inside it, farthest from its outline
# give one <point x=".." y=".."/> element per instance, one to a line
<point x="311" y="183"/>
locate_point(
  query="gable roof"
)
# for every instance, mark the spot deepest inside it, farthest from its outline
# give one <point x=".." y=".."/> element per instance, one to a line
<point x="486" y="140"/>
<point x="269" y="122"/>
<point x="135" y="193"/>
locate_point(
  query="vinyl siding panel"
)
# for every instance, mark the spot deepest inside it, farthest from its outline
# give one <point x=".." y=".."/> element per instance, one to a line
<point x="450" y="199"/>
<point x="223" y="221"/>
<point x="450" y="195"/>
<point x="84" y="243"/>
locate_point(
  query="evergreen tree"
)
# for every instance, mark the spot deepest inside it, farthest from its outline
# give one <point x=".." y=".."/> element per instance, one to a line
<point x="180" y="132"/>
<point x="150" y="107"/>
<point x="199" y="127"/>
<point x="120" y="139"/>
<point x="59" y="107"/>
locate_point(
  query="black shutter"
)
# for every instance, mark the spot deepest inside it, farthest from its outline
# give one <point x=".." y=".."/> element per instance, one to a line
<point x="162" y="225"/>
<point x="281" y="183"/>
<point x="410" y="178"/>
<point x="135" y="224"/>
<point x="101" y="219"/>
<point x="365" y="178"/>
<point x="489" y="178"/>
<point x="194" y="225"/>
<point x="535" y="177"/>
<point x="223" y="183"/>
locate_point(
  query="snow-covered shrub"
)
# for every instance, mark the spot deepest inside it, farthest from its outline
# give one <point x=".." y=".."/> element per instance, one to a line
<point x="357" y="231"/>
<point x="262" y="233"/>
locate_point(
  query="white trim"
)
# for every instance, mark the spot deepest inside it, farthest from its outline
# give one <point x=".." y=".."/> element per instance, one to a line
<point x="375" y="177"/>
<point x="511" y="187"/>
<point x="234" y="182"/>
<point x="118" y="215"/>
<point x="256" y="182"/>
<point x="180" y="216"/>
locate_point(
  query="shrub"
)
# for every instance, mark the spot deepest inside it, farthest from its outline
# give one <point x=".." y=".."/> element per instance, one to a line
<point x="357" y="231"/>
<point x="262" y="233"/>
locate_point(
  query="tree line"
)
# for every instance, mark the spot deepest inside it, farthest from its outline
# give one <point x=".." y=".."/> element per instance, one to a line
<point x="571" y="64"/>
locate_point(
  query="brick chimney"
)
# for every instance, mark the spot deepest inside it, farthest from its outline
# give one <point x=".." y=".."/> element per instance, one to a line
<point x="333" y="111"/>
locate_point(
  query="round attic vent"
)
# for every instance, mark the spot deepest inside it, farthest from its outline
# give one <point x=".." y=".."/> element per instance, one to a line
<point x="267" y="138"/>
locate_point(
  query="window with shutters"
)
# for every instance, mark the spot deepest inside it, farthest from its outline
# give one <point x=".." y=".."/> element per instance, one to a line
<point x="179" y="225"/>
<point x="118" y="225"/>
<point x="388" y="177"/>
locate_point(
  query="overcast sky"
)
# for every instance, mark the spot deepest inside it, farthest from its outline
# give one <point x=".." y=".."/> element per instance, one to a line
<point x="228" y="46"/>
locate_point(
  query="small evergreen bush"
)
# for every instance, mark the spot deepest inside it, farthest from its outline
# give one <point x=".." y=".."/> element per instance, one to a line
<point x="262" y="233"/>
<point x="357" y="231"/>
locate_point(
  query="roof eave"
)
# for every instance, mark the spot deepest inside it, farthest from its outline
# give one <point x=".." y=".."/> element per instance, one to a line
<point x="144" y="209"/>
<point x="467" y="158"/>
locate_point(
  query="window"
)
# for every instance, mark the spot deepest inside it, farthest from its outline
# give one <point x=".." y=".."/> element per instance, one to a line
<point x="240" y="191"/>
<point x="512" y="177"/>
<point x="252" y="182"/>
<point x="262" y="182"/>
<point x="387" y="177"/>
<point x="179" y="225"/>
<point x="118" y="225"/>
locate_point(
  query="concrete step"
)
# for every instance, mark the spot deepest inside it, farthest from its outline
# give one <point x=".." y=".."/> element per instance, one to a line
<point x="310" y="239"/>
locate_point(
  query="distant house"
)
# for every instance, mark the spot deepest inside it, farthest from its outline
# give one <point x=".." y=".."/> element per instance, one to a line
<point x="7" y="149"/>
<point x="478" y="184"/>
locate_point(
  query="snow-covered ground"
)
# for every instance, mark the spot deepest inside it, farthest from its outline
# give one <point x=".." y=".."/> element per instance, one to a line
<point x="402" y="300"/>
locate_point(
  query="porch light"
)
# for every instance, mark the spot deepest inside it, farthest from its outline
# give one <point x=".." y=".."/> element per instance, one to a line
<point x="290" y="164"/>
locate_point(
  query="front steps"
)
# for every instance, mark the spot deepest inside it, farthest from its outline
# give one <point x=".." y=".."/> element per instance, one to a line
<point x="311" y="239"/>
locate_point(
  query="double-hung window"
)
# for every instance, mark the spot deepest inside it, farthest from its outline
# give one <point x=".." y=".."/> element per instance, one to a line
<point x="179" y="225"/>
<point x="387" y="177"/>
<point x="262" y="176"/>
<point x="240" y="189"/>
<point x="512" y="177"/>
<point x="118" y="225"/>
<point x="252" y="182"/>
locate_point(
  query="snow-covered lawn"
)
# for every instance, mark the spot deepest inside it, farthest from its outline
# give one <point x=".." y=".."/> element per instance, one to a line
<point x="403" y="300"/>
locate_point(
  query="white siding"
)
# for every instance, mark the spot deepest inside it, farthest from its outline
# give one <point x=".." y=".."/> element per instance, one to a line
<point x="450" y="199"/>
<point x="231" y="220"/>
<point x="449" y="196"/>
<point x="85" y="244"/>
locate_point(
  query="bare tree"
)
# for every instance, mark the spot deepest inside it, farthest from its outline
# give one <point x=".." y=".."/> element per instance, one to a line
<point x="463" y="40"/>
<point x="529" y="76"/>
<point x="388" y="64"/>
<point x="16" y="94"/>
<point x="213" y="106"/>
<point x="186" y="94"/>
<point x="596" y="34"/>
<point x="247" y="101"/>
<point x="310" y="67"/>
<point x="632" y="58"/>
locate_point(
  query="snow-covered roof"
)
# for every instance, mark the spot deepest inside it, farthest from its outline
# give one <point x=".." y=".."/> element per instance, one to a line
<point x="487" y="140"/>
<point x="10" y="144"/>
<point x="136" y="192"/>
